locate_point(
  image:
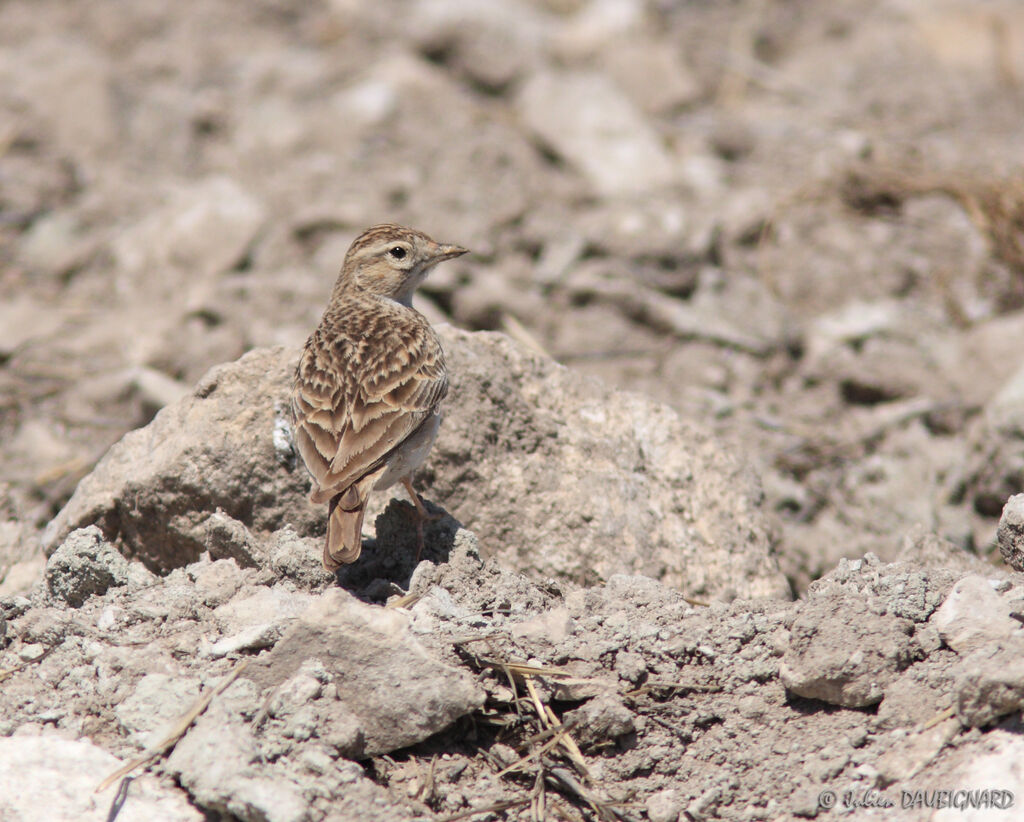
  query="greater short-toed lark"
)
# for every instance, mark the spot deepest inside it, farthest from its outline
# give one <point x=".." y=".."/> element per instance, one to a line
<point x="370" y="382"/>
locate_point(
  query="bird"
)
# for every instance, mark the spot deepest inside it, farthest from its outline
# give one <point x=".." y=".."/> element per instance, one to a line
<point x="369" y="383"/>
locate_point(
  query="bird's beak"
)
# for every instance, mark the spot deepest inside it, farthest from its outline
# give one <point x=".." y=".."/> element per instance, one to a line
<point x="447" y="252"/>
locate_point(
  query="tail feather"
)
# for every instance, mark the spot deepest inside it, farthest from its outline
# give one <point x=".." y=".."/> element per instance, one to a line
<point x="344" y="529"/>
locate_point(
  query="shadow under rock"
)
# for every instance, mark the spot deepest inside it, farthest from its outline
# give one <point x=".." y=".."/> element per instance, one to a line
<point x="387" y="563"/>
<point x="807" y="706"/>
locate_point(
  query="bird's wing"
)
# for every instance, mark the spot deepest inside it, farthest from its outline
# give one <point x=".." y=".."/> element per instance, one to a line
<point x="354" y="402"/>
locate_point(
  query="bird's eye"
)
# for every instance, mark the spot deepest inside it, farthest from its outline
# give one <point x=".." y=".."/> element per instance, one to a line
<point x="397" y="252"/>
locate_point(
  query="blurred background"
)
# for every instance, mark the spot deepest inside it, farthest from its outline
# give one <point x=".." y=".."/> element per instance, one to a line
<point x="798" y="223"/>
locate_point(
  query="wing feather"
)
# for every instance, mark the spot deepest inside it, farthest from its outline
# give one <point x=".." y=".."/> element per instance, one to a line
<point x="358" y="396"/>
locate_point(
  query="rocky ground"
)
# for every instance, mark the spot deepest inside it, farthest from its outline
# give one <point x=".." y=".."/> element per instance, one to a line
<point x="739" y="551"/>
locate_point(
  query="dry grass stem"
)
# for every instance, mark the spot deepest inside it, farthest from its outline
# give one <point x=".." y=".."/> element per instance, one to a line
<point x="547" y="716"/>
<point x="994" y="205"/>
<point x="559" y="734"/>
<point x="939" y="718"/>
<point x="179" y="731"/>
<point x="564" y="780"/>
<point x="497" y="807"/>
<point x="406" y="601"/>
<point x="522" y="669"/>
<point x="22" y="665"/>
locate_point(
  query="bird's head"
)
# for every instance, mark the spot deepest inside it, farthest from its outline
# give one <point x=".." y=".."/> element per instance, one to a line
<point x="391" y="260"/>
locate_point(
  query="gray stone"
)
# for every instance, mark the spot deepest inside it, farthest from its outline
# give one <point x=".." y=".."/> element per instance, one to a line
<point x="227" y="537"/>
<point x="22" y="320"/>
<point x="586" y="120"/>
<point x="297" y="558"/>
<point x="252" y="638"/>
<point x="1011" y="532"/>
<point x="601" y="719"/>
<point x="85" y="565"/>
<point x="637" y="490"/>
<point x="631" y="667"/>
<point x="1006" y="409"/>
<point x="273" y="607"/>
<point x="918" y="694"/>
<point x="663" y="806"/>
<point x="852" y="323"/>
<point x="653" y="74"/>
<point x="598" y="26"/>
<point x="217" y="581"/>
<point x="212" y="454"/>
<point x="20" y="555"/>
<point x="492" y="43"/>
<point x="974" y="614"/>
<point x="986" y="356"/>
<point x="47" y="777"/>
<point x="928" y="550"/>
<point x="552" y="626"/>
<point x="995" y="461"/>
<point x="990" y="683"/>
<point x="842" y="652"/>
<point x="204" y="227"/>
<point x="155" y="389"/>
<point x="912" y="589"/>
<point x="54" y="245"/>
<point x="383" y="676"/>
<point x="70" y="82"/>
<point x="910" y="753"/>
<point x="562" y="476"/>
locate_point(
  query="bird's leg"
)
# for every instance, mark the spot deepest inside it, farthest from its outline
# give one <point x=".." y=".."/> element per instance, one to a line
<point x="422" y="515"/>
<point x="420" y="509"/>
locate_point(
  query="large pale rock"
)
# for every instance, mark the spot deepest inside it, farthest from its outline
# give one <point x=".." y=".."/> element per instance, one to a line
<point x="225" y="447"/>
<point x="557" y="474"/>
<point x="46" y="777"/>
<point x="386" y="683"/>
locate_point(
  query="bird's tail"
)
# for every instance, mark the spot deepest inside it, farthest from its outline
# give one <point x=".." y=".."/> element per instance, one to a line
<point x="344" y="528"/>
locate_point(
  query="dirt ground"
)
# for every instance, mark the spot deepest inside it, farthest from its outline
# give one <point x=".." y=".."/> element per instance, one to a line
<point x="798" y="224"/>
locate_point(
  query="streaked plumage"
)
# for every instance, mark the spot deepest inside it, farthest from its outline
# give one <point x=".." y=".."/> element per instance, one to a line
<point x="370" y="381"/>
